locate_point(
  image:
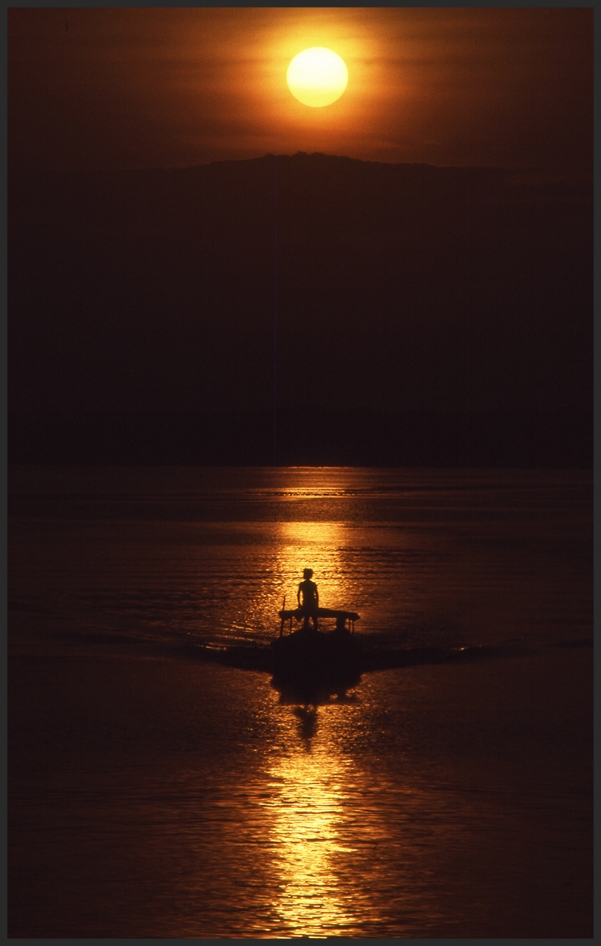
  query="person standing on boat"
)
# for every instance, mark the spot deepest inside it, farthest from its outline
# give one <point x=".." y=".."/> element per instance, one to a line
<point x="308" y="598"/>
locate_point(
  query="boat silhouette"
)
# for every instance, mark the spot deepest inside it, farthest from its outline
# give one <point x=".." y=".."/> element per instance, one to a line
<point x="309" y="666"/>
<point x="315" y="664"/>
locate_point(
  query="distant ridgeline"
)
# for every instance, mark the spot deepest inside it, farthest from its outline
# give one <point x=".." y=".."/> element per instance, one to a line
<point x="367" y="312"/>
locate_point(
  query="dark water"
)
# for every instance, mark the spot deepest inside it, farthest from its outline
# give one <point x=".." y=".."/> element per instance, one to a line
<point x="153" y="796"/>
<point x="424" y="556"/>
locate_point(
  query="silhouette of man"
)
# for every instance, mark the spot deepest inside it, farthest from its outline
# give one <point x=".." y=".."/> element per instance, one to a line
<point x="308" y="598"/>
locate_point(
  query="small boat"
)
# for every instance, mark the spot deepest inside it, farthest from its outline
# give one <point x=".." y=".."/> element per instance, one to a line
<point x="310" y="667"/>
<point x="344" y="619"/>
<point x="314" y="663"/>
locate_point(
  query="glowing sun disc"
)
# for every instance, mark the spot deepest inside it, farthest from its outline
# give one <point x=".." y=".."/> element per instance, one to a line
<point x="317" y="76"/>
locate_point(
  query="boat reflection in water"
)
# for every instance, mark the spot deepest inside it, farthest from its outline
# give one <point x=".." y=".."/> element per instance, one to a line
<point x="307" y="716"/>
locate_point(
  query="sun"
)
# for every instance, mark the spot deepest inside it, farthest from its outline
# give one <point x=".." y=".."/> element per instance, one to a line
<point x="317" y="76"/>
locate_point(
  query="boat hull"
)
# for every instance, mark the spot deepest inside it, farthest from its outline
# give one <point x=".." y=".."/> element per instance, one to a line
<point x="316" y="665"/>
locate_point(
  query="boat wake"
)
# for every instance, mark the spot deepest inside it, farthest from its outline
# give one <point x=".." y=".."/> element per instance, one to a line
<point x="315" y="667"/>
<point x="309" y="667"/>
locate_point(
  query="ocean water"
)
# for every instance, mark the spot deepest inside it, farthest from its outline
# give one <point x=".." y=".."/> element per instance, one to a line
<point x="158" y="796"/>
<point x="425" y="556"/>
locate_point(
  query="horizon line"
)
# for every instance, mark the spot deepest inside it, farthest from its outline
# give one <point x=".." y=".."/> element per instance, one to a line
<point x="498" y="169"/>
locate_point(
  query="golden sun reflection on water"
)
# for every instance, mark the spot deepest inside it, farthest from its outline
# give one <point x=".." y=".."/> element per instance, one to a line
<point x="351" y="852"/>
<point x="316" y="545"/>
<point x="307" y="809"/>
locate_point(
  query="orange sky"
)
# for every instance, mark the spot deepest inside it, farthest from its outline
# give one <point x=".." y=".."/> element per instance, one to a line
<point x="176" y="87"/>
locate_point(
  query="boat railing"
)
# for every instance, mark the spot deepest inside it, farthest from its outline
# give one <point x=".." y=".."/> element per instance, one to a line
<point x="345" y="620"/>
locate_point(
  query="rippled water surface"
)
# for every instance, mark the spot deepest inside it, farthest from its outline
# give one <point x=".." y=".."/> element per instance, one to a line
<point x="423" y="556"/>
<point x="155" y="796"/>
